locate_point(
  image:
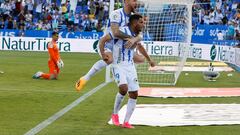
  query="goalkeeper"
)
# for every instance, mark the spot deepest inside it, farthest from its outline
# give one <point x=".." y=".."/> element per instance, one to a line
<point x="54" y="63"/>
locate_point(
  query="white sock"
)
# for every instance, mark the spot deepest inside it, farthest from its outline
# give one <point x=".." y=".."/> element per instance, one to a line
<point x="130" y="108"/>
<point x="95" y="68"/>
<point x="118" y="100"/>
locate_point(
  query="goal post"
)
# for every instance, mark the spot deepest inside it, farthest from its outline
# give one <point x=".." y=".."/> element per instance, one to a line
<point x="167" y="37"/>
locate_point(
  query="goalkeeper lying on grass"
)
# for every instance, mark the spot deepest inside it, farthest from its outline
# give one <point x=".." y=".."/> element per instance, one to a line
<point x="54" y="63"/>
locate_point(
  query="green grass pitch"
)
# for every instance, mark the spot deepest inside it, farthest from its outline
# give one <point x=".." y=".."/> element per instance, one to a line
<point x="25" y="102"/>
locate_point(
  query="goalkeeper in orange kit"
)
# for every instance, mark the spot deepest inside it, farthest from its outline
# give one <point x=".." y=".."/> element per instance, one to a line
<point x="54" y="63"/>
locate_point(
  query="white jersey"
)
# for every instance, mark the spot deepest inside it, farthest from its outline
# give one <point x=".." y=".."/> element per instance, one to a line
<point x="118" y="16"/>
<point x="123" y="68"/>
<point x="121" y="55"/>
<point x="121" y="18"/>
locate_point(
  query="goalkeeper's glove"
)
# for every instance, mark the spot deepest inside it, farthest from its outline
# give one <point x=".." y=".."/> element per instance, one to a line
<point x="60" y="63"/>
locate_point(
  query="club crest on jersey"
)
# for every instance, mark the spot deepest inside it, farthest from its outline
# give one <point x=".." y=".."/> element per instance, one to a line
<point x="115" y="17"/>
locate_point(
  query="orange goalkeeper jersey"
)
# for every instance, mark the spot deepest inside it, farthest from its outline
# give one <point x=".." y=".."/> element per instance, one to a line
<point x="53" y="52"/>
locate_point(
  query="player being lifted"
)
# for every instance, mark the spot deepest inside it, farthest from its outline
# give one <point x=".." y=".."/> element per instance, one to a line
<point x="118" y="18"/>
<point x="123" y="68"/>
<point x="54" y="62"/>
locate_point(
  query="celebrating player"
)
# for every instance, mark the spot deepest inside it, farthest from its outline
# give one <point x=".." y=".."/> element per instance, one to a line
<point x="54" y="62"/>
<point x="123" y="70"/>
<point x="118" y="18"/>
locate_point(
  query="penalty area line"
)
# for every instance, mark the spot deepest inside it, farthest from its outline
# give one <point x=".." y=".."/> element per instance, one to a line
<point x="60" y="113"/>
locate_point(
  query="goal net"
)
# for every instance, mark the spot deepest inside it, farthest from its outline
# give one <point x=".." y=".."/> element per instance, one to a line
<point x="167" y="37"/>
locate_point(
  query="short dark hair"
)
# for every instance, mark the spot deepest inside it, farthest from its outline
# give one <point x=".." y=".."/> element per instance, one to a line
<point x="54" y="33"/>
<point x="134" y="17"/>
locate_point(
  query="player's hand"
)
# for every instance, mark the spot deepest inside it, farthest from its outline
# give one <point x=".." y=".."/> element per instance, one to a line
<point x="60" y="64"/>
<point x="130" y="43"/>
<point x="152" y="63"/>
<point x="105" y="58"/>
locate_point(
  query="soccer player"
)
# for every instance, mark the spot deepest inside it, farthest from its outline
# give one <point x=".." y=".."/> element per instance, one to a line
<point x="54" y="62"/>
<point x="123" y="68"/>
<point x="118" y="18"/>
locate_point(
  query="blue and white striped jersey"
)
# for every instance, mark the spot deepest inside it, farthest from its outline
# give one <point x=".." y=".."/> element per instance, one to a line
<point x="118" y="16"/>
<point x="121" y="55"/>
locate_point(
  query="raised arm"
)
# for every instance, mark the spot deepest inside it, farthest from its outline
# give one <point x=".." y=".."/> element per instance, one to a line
<point x="142" y="50"/>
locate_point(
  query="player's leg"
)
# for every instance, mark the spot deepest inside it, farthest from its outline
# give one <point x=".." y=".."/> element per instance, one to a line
<point x="98" y="66"/>
<point x="37" y="75"/>
<point x="53" y="71"/>
<point x="40" y="74"/>
<point x="131" y="105"/>
<point x="94" y="69"/>
<point x="133" y="87"/>
<point x="120" y="79"/>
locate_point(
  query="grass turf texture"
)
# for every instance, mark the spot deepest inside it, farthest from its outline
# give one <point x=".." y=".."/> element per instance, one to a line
<point x="25" y="102"/>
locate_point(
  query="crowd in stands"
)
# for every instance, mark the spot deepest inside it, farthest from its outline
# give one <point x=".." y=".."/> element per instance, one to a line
<point x="219" y="12"/>
<point x="89" y="15"/>
<point x="92" y="15"/>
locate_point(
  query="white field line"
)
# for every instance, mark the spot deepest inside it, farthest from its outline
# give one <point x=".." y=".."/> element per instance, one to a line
<point x="59" y="114"/>
<point x="29" y="90"/>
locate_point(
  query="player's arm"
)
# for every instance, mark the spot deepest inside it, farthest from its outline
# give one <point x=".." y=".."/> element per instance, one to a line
<point x="115" y="20"/>
<point x="102" y="43"/>
<point x="143" y="51"/>
<point x="117" y="33"/>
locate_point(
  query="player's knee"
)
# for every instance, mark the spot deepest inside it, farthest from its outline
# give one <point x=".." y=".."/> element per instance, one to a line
<point x="133" y="94"/>
<point x="53" y="76"/>
<point x="123" y="89"/>
<point x="138" y="59"/>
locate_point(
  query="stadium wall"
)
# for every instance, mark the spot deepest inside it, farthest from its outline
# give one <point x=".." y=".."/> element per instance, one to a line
<point x="210" y="52"/>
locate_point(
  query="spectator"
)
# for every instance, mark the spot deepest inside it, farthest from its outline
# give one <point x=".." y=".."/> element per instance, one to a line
<point x="21" y="25"/>
<point x="38" y="9"/>
<point x="211" y="17"/>
<point x="10" y="23"/>
<point x="1" y="23"/>
<point x="218" y="17"/>
<point x="231" y="31"/>
<point x="29" y="6"/>
<point x="101" y="12"/>
<point x="99" y="26"/>
<point x="92" y="7"/>
<point x="220" y="35"/>
<point x="206" y="18"/>
<point x="28" y="16"/>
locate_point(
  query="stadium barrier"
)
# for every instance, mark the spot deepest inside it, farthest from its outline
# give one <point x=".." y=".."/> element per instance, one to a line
<point x="197" y="51"/>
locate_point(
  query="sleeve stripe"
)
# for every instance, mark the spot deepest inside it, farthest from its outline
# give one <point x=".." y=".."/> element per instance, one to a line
<point x="111" y="35"/>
